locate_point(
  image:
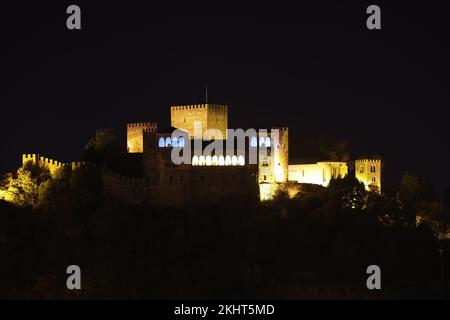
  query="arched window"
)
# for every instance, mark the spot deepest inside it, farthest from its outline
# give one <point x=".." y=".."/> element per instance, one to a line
<point x="174" y="142"/>
<point x="215" y="161"/>
<point x="262" y="141"/>
<point x="241" y="160"/>
<point x="253" y="142"/>
<point x="208" y="160"/>
<point x="228" y="161"/>
<point x="234" y="161"/>
<point x="374" y="169"/>
<point x="161" y="142"/>
<point x="168" y="142"/>
<point x="201" y="161"/>
<point x="195" y="161"/>
<point x="267" y="142"/>
<point x="221" y="161"/>
<point x="181" y="142"/>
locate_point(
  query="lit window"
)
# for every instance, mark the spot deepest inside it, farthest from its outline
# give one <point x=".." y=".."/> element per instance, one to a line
<point x="234" y="161"/>
<point x="201" y="161"/>
<point x="253" y="142"/>
<point x="228" y="161"/>
<point x="241" y="160"/>
<point x="168" y="142"/>
<point x="267" y="142"/>
<point x="215" y="161"/>
<point x="181" y="142"/>
<point x="174" y="142"/>
<point x="221" y="161"/>
<point x="161" y="143"/>
<point x="208" y="160"/>
<point x="262" y="141"/>
<point x="195" y="161"/>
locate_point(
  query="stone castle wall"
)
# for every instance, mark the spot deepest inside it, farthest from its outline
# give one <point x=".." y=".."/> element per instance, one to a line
<point x="211" y="116"/>
<point x="135" y="132"/>
<point x="368" y="171"/>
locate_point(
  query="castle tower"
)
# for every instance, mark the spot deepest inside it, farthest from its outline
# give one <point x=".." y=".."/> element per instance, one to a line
<point x="135" y="132"/>
<point x="211" y="116"/>
<point x="33" y="158"/>
<point x="368" y="171"/>
<point x="273" y="161"/>
<point x="281" y="154"/>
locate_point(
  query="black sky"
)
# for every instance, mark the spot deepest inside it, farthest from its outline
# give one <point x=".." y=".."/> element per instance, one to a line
<point x="314" y="67"/>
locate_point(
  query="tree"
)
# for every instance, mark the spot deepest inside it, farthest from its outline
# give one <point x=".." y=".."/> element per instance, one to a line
<point x="413" y="190"/>
<point x="348" y="192"/>
<point x="25" y="186"/>
<point x="415" y="196"/>
<point x="336" y="152"/>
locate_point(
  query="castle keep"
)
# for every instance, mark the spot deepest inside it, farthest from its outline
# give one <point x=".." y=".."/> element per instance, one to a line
<point x="224" y="174"/>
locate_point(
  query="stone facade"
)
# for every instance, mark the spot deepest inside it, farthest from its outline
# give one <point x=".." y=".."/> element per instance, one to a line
<point x="317" y="173"/>
<point x="210" y="116"/>
<point x="368" y="171"/>
<point x="224" y="175"/>
<point x="135" y="135"/>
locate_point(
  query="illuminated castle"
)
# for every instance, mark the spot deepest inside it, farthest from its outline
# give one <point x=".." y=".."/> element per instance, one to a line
<point x="258" y="168"/>
<point x="270" y="173"/>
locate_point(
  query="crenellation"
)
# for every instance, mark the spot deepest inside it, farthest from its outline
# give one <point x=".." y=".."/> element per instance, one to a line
<point x="212" y="178"/>
<point x="135" y="132"/>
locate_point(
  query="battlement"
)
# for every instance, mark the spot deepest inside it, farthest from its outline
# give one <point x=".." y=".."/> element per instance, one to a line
<point x="135" y="133"/>
<point x="199" y="106"/>
<point x="149" y="130"/>
<point x="50" y="162"/>
<point x="33" y="158"/>
<point x="79" y="164"/>
<point x="368" y="160"/>
<point x="43" y="162"/>
<point x="280" y="128"/>
<point x="146" y="125"/>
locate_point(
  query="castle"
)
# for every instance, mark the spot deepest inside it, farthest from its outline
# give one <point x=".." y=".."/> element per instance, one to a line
<point x="220" y="174"/>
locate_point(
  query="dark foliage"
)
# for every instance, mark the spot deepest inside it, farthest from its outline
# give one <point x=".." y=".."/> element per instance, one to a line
<point x="278" y="250"/>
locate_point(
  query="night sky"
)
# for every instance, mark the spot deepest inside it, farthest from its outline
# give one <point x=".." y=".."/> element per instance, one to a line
<point x="314" y="67"/>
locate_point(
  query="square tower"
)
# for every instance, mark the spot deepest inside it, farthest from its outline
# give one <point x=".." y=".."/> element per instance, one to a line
<point x="368" y="171"/>
<point x="205" y="116"/>
<point x="273" y="160"/>
<point x="135" y="133"/>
